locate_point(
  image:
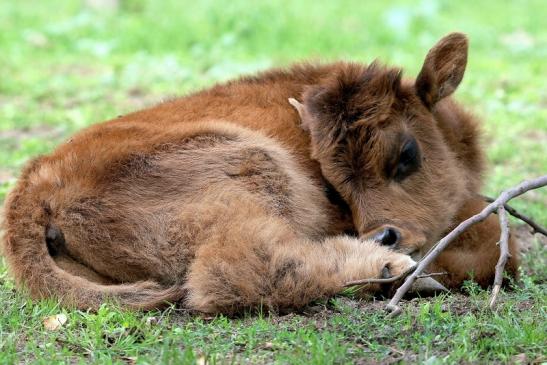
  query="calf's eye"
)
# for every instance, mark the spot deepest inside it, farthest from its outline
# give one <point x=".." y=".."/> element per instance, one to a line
<point x="409" y="160"/>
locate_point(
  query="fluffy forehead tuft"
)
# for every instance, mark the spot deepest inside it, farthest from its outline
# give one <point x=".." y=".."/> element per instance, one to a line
<point x="355" y="93"/>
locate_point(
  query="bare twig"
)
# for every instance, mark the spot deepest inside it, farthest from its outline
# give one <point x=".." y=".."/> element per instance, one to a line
<point x="373" y="281"/>
<point x="536" y="228"/>
<point x="391" y="279"/>
<point x="503" y="198"/>
<point x="432" y="275"/>
<point x="504" y="254"/>
<point x="380" y="281"/>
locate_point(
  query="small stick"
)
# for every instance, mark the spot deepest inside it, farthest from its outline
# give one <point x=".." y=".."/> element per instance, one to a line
<point x="432" y="274"/>
<point x="383" y="280"/>
<point x="504" y="254"/>
<point x="372" y="281"/>
<point x="435" y="251"/>
<point x="536" y="228"/>
<point x="377" y="280"/>
<point x="392" y="279"/>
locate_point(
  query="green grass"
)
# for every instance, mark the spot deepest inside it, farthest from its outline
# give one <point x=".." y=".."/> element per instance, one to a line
<point x="64" y="66"/>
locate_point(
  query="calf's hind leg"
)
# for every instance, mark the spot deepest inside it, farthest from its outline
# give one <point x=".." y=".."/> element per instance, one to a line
<point x="266" y="264"/>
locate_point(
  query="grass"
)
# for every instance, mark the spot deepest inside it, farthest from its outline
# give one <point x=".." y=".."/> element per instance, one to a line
<point x="65" y="65"/>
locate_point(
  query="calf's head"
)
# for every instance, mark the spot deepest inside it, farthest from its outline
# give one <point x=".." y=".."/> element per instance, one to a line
<point x="380" y="145"/>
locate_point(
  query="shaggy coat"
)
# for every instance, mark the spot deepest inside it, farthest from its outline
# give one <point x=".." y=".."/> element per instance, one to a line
<point x="230" y="198"/>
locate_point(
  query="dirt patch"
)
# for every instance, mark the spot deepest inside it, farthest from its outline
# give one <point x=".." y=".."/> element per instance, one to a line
<point x="6" y="175"/>
<point x="42" y="131"/>
<point x="536" y="135"/>
<point x="14" y="137"/>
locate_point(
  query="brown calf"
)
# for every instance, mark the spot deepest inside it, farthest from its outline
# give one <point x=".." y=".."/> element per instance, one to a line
<point x="406" y="158"/>
<point x="215" y="198"/>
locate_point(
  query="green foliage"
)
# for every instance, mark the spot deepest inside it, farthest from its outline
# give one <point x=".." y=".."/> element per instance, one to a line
<point x="66" y="65"/>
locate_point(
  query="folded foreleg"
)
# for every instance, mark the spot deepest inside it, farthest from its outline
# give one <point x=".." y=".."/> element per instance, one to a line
<point x="273" y="269"/>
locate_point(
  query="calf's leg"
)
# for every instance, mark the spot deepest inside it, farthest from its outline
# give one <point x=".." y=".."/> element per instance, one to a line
<point x="269" y="266"/>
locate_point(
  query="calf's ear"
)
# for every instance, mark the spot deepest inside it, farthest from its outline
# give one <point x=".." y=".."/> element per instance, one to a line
<point x="443" y="69"/>
<point x="302" y="113"/>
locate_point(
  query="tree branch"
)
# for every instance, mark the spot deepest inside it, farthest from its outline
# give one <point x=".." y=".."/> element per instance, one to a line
<point x="504" y="254"/>
<point x="434" y="252"/>
<point x="536" y="228"/>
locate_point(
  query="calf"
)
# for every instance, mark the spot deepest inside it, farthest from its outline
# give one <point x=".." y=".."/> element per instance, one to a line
<point x="220" y="199"/>
<point x="406" y="158"/>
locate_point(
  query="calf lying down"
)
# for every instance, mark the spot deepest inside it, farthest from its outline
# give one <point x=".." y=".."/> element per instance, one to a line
<point x="230" y="199"/>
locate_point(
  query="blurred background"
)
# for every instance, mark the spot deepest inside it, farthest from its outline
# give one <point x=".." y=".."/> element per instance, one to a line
<point x="67" y="64"/>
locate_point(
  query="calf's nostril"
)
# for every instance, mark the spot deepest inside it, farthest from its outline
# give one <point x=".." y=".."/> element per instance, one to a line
<point x="388" y="237"/>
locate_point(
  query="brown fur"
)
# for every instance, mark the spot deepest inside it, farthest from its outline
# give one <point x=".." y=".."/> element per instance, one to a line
<point x="360" y="118"/>
<point x="215" y="199"/>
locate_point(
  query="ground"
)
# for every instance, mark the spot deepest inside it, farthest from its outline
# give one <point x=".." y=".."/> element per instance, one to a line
<point x="68" y="64"/>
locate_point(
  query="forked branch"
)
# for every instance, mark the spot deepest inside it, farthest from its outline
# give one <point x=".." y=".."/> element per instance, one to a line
<point x="536" y="228"/>
<point x="497" y="205"/>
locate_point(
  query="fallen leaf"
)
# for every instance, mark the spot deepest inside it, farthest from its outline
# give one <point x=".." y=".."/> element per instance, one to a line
<point x="129" y="359"/>
<point x="520" y="359"/>
<point x="53" y="323"/>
